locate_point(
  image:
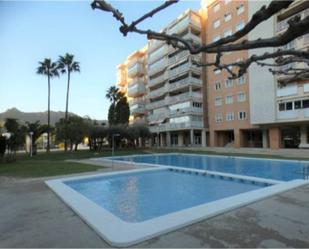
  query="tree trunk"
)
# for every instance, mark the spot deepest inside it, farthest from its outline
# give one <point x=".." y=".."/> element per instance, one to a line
<point x="76" y="146"/>
<point x="48" y="117"/>
<point x="66" y="114"/>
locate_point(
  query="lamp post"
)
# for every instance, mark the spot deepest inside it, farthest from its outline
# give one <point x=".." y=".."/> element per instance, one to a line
<point x="31" y="134"/>
<point x="113" y="147"/>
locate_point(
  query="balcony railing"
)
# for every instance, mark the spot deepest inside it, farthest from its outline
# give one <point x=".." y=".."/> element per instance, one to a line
<point x="163" y="77"/>
<point x="157" y="54"/>
<point x="136" y="89"/>
<point x="157" y="66"/>
<point x="140" y="109"/>
<point x="295" y="115"/>
<point x="174" y="99"/>
<point x="181" y="69"/>
<point x="185" y="82"/>
<point x="183" y="24"/>
<point x="158" y="92"/>
<point x="187" y="110"/>
<point x="136" y="69"/>
<point x="158" y="116"/>
<point x="178" y="57"/>
<point x="176" y="126"/>
<point x="138" y="100"/>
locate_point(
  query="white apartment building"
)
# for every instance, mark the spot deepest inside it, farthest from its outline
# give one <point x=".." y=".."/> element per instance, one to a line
<point x="174" y="90"/>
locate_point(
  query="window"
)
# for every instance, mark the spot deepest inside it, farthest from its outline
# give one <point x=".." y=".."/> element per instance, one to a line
<point x="227" y="17"/>
<point x="218" y="101"/>
<point x="228" y="83"/>
<point x="217" y="71"/>
<point x="241" y="80"/>
<point x="197" y="104"/>
<point x="216" y="38"/>
<point x="241" y="97"/>
<point x="240" y="26"/>
<point x="227" y="1"/>
<point x="306" y="103"/>
<point x="289" y="106"/>
<point x="227" y="33"/>
<point x="242" y="115"/>
<point x="240" y="9"/>
<point x="217" y="85"/>
<point x="219" y="118"/>
<point x="229" y="99"/>
<point x="297" y="105"/>
<point x="282" y="107"/>
<point x="216" y="23"/>
<point x="217" y="7"/>
<point x="229" y="116"/>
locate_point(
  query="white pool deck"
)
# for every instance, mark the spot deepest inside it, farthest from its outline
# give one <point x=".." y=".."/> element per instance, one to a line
<point x="120" y="233"/>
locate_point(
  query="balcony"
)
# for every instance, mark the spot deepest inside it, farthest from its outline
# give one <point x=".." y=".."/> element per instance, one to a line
<point x="176" y="126"/>
<point x="288" y="90"/>
<point x="183" y="68"/>
<point x="194" y="38"/>
<point x="154" y="44"/>
<point x="163" y="77"/>
<point x="157" y="54"/>
<point x="283" y="25"/>
<point x="156" y="104"/>
<point x="184" y="97"/>
<point x="136" y="69"/>
<point x="187" y="111"/>
<point x="137" y="109"/>
<point x="158" y="116"/>
<point x="178" y="57"/>
<point x="137" y="89"/>
<point x="158" y="92"/>
<point x="184" y="83"/>
<point x="293" y="115"/>
<point x="189" y="20"/>
<point x="158" y="66"/>
<point x="138" y="100"/>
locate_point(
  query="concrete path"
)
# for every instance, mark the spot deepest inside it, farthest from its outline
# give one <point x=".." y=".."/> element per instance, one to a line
<point x="285" y="153"/>
<point x="32" y="216"/>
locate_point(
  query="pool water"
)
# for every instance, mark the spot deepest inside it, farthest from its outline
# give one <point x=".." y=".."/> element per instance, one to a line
<point x="140" y="196"/>
<point x="283" y="170"/>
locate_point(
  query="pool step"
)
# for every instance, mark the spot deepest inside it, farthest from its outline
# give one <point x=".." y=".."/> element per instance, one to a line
<point x="223" y="177"/>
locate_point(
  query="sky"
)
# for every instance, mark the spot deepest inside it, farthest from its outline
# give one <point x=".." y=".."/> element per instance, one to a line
<point x="33" y="30"/>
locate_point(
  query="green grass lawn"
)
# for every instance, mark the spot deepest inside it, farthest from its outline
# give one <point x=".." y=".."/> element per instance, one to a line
<point x="54" y="163"/>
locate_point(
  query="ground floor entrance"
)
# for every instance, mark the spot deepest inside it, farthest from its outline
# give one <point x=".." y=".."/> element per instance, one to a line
<point x="192" y="137"/>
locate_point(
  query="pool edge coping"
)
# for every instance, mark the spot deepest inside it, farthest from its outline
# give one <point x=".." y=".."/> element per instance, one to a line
<point x="138" y="232"/>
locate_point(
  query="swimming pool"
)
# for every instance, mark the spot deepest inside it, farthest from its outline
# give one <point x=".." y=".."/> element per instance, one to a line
<point x="282" y="170"/>
<point x="128" y="207"/>
<point x="146" y="195"/>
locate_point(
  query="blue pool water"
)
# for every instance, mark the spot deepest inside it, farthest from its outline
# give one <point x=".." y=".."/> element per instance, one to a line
<point x="136" y="197"/>
<point x="282" y="170"/>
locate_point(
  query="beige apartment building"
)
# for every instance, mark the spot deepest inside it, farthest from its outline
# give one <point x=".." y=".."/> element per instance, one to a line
<point x="185" y="105"/>
<point x="132" y="81"/>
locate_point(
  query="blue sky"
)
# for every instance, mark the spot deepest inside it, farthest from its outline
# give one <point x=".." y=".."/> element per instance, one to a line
<point x="33" y="30"/>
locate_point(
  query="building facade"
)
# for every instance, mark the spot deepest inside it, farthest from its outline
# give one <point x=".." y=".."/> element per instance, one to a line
<point x="186" y="105"/>
<point x="175" y="100"/>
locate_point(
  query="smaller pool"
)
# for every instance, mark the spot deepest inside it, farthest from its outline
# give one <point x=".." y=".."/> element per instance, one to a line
<point x="146" y="195"/>
<point x="128" y="207"/>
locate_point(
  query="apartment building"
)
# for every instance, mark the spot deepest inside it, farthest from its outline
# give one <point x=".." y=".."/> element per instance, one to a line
<point x="175" y="108"/>
<point x="283" y="112"/>
<point x="187" y="105"/>
<point x="132" y="81"/>
<point x="229" y="100"/>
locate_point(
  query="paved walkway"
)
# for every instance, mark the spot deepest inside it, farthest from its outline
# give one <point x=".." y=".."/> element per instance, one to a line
<point x="32" y="216"/>
<point x="285" y="153"/>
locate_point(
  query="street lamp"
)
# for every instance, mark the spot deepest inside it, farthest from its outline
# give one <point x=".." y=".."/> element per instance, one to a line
<point x="113" y="146"/>
<point x="31" y="134"/>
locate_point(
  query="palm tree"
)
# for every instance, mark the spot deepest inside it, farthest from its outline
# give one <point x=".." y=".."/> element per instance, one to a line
<point x="113" y="94"/>
<point x="67" y="65"/>
<point x="49" y="69"/>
